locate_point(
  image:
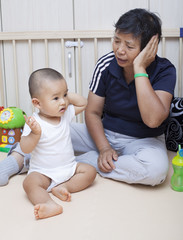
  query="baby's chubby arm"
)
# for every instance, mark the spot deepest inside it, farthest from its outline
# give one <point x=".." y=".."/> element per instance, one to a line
<point x="78" y="101"/>
<point x="29" y="142"/>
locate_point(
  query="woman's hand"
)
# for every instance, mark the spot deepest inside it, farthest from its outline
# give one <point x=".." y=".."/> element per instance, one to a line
<point x="105" y="159"/>
<point x="147" y="55"/>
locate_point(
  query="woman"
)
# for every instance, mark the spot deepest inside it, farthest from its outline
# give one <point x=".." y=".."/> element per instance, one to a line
<point x="128" y="106"/>
<point x="132" y="89"/>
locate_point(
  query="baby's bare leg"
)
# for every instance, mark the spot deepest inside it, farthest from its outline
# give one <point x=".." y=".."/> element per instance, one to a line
<point x="83" y="177"/>
<point x="35" y="185"/>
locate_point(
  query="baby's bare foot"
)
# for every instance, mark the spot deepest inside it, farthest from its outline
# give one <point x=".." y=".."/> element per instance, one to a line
<point x="45" y="210"/>
<point x="62" y="193"/>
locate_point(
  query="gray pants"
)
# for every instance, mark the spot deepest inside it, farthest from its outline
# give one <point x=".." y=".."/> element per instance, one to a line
<point x="141" y="160"/>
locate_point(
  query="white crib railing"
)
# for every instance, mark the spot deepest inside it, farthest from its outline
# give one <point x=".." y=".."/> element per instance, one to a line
<point x="14" y="38"/>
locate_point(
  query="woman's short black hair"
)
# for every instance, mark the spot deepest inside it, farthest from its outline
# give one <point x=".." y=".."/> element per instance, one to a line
<point x="141" y="23"/>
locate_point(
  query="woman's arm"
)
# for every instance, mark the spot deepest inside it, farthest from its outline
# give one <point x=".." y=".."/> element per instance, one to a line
<point x="94" y="124"/>
<point x="29" y="142"/>
<point x="154" y="106"/>
<point x="78" y="101"/>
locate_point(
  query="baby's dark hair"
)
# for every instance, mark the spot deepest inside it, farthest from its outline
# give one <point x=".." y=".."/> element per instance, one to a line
<point x="141" y="23"/>
<point x="37" y="78"/>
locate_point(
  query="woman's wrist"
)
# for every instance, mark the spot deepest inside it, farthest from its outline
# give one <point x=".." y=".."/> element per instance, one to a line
<point x="141" y="75"/>
<point x="138" y="68"/>
<point x="101" y="149"/>
<point x="139" y="71"/>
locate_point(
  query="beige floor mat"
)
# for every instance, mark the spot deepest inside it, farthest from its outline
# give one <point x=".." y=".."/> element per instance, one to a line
<point x="108" y="210"/>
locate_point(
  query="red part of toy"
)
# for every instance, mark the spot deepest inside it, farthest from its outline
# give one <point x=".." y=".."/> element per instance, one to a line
<point x="1" y="108"/>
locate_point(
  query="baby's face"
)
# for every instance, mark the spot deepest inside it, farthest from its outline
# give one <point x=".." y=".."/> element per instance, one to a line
<point x="53" y="98"/>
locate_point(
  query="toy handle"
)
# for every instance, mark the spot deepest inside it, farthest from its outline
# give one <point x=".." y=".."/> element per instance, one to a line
<point x="180" y="151"/>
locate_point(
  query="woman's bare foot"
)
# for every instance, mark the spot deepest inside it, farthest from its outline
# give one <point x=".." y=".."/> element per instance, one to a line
<point x="62" y="193"/>
<point x="45" y="210"/>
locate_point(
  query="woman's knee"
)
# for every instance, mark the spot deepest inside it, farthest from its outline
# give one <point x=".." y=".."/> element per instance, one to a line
<point x="156" y="162"/>
<point x="131" y="169"/>
<point x="157" y="173"/>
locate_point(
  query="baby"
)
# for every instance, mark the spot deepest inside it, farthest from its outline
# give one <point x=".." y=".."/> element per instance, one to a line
<point x="46" y="136"/>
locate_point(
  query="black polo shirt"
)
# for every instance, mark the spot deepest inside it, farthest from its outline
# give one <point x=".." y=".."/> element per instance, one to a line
<point x="121" y="112"/>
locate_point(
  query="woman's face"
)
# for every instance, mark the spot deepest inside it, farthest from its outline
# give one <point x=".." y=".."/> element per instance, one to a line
<point x="125" y="48"/>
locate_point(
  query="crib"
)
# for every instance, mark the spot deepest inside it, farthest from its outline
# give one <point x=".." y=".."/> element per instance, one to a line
<point x="73" y="53"/>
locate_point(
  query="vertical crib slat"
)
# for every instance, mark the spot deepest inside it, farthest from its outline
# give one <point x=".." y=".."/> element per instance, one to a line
<point x="46" y="53"/>
<point x="1" y="80"/>
<point x="95" y="49"/>
<point x="163" y="47"/>
<point x="30" y="56"/>
<point x="111" y="42"/>
<point x="79" y="74"/>
<point x="30" y="63"/>
<point x="180" y="68"/>
<point x="63" y="56"/>
<point x="15" y="72"/>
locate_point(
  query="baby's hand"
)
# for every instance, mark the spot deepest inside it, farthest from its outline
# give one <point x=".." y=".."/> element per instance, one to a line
<point x="33" y="124"/>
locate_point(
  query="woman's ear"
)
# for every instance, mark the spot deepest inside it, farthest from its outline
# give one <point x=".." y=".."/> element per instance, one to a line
<point x="36" y="102"/>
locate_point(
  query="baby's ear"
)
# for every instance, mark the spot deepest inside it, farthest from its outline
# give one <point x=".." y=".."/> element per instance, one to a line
<point x="36" y="102"/>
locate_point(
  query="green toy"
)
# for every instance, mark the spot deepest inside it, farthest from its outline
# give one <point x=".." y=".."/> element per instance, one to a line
<point x="11" y="126"/>
<point x="177" y="177"/>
